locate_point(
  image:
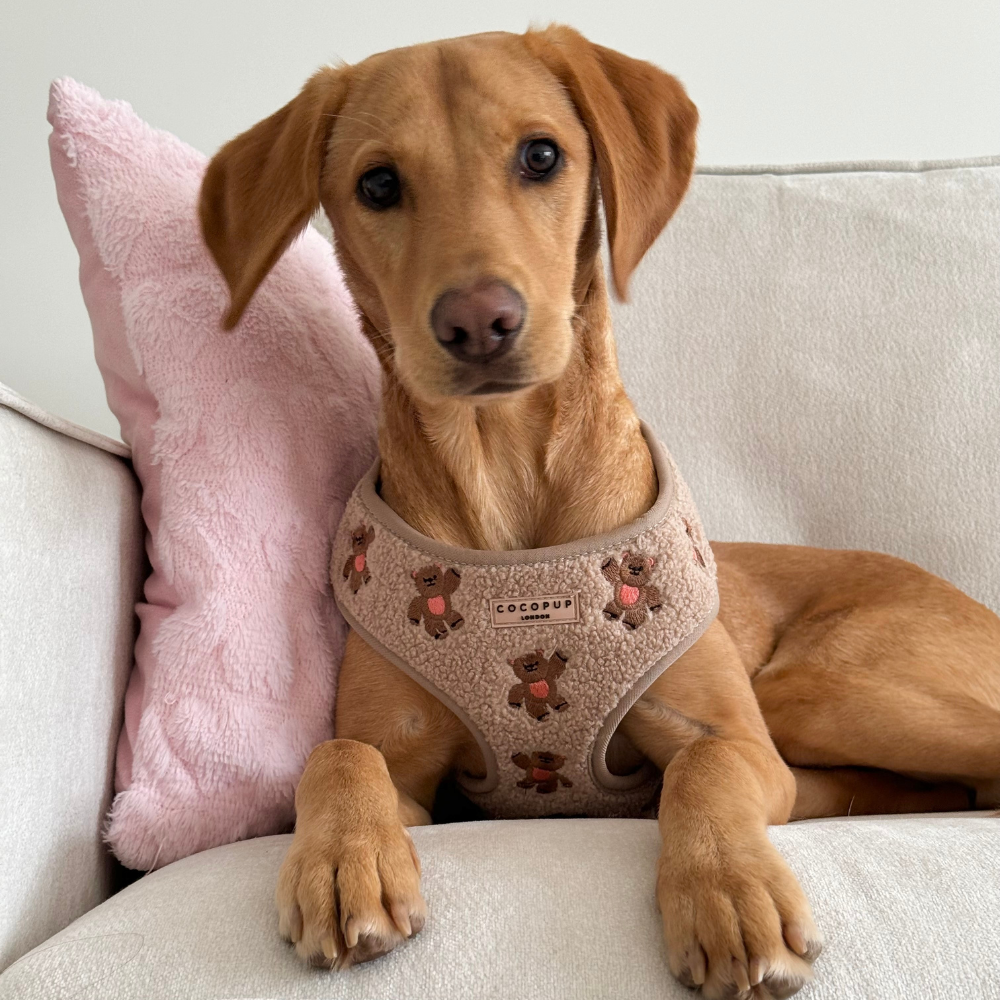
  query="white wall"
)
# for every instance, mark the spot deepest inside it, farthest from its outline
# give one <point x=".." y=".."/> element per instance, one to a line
<point x="777" y="81"/>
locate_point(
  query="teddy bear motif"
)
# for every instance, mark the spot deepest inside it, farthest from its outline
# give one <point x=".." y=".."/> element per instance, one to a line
<point x="698" y="557"/>
<point x="537" y="689"/>
<point x="541" y="771"/>
<point x="433" y="601"/>
<point x="356" y="570"/>
<point x="635" y="597"/>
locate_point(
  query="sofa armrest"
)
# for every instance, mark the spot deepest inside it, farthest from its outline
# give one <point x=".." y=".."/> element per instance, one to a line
<point x="71" y="566"/>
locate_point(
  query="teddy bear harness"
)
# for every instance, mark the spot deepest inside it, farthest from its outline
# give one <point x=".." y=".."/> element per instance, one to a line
<point x="540" y="652"/>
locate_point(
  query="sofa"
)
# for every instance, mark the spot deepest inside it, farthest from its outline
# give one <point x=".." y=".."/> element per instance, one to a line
<point x="820" y="348"/>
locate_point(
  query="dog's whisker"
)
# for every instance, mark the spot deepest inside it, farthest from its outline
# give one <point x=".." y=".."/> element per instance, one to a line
<point x="371" y="114"/>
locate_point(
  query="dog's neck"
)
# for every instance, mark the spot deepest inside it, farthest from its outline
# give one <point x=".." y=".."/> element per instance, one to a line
<point x="552" y="464"/>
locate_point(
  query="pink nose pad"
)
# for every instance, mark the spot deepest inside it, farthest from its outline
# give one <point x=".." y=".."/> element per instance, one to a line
<point x="478" y="323"/>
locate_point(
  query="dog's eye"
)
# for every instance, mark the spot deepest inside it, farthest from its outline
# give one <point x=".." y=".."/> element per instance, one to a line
<point x="379" y="187"/>
<point x="538" y="158"/>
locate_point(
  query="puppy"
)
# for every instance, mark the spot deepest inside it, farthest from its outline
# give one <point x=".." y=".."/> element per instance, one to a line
<point x="462" y="180"/>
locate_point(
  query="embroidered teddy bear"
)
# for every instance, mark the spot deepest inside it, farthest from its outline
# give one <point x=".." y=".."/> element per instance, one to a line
<point x="433" y="601"/>
<point x="542" y="771"/>
<point x="537" y="689"/>
<point x="356" y="570"/>
<point x="635" y="597"/>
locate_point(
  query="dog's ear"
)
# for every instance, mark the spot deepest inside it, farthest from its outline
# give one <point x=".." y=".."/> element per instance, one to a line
<point x="642" y="125"/>
<point x="262" y="187"/>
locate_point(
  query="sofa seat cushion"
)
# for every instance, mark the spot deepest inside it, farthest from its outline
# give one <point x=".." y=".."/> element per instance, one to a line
<point x="545" y="908"/>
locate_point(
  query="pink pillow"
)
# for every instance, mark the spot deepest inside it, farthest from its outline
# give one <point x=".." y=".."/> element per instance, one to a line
<point x="247" y="445"/>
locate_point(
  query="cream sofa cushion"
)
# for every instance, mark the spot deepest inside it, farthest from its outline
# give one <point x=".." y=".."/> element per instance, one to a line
<point x="536" y="909"/>
<point x="71" y="561"/>
<point x="819" y="347"/>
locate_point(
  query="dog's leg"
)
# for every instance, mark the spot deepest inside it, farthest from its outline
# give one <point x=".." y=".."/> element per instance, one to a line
<point x="911" y="688"/>
<point x="863" y="661"/>
<point x="853" y="791"/>
<point x="349" y="888"/>
<point x="736" y="921"/>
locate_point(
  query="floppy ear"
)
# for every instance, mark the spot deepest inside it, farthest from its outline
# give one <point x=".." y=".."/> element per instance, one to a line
<point x="642" y="126"/>
<point x="262" y="187"/>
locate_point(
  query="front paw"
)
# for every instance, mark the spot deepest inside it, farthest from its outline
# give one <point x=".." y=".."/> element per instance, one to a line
<point x="343" y="900"/>
<point x="735" y="919"/>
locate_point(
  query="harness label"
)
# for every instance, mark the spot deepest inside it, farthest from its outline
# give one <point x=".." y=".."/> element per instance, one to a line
<point x="552" y="609"/>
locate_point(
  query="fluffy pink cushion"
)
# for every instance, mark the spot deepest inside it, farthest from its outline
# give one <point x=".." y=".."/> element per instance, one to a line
<point x="247" y="445"/>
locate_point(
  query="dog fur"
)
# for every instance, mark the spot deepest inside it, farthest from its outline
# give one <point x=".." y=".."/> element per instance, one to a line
<point x="831" y="682"/>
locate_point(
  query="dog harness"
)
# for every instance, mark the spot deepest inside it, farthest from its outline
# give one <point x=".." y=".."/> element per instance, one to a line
<point x="540" y="652"/>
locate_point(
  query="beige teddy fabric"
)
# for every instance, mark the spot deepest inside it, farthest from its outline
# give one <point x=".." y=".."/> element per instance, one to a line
<point x="539" y="652"/>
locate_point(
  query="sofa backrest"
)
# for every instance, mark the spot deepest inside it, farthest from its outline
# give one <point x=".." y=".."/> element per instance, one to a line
<point x="820" y="349"/>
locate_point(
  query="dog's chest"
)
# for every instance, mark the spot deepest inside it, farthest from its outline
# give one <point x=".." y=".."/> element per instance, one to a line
<point x="542" y="652"/>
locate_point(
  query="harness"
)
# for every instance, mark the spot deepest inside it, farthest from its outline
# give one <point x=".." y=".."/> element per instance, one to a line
<point x="540" y="652"/>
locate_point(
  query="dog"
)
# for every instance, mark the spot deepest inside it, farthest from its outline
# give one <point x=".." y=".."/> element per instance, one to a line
<point x="463" y="179"/>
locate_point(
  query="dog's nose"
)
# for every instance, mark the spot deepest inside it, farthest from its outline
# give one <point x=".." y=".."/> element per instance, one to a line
<point x="480" y="322"/>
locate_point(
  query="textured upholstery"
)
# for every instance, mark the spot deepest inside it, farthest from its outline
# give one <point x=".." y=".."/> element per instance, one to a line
<point x="71" y="562"/>
<point x="538" y="909"/>
<point x="819" y="349"/>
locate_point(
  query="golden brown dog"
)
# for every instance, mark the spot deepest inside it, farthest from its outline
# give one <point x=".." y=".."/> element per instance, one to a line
<point x="462" y="182"/>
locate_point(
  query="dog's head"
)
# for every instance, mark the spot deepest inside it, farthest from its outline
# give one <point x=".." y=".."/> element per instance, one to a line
<point x="461" y="181"/>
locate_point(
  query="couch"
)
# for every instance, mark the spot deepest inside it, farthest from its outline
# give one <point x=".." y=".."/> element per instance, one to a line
<point x="820" y="348"/>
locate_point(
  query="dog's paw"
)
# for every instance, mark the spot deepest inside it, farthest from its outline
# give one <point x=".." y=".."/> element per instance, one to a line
<point x="736" y="921"/>
<point x="342" y="902"/>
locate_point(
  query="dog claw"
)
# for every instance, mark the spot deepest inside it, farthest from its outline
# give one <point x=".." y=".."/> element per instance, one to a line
<point x="795" y="939"/>
<point x="290" y="924"/>
<point x="401" y="918"/>
<point x="697" y="966"/>
<point x="740" y="976"/>
<point x="758" y="968"/>
<point x="330" y="949"/>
